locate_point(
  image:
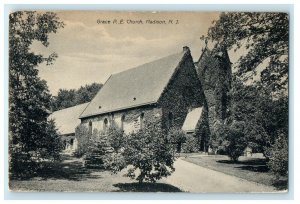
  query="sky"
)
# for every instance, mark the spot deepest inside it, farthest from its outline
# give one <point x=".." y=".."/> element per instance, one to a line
<point x="90" y="50"/>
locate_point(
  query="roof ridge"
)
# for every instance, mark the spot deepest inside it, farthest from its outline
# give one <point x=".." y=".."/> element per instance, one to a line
<point x="132" y="68"/>
<point x="120" y="90"/>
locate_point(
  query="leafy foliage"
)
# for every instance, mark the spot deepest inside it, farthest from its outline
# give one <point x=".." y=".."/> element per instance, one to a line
<point x="148" y="155"/>
<point x="176" y="137"/>
<point x="32" y="137"/>
<point x="68" y="98"/>
<point x="99" y="151"/>
<point x="279" y="156"/>
<point x="83" y="137"/>
<point x="264" y="117"/>
<point x="116" y="138"/>
<point x="235" y="140"/>
<point x="264" y="35"/>
<point x="190" y="144"/>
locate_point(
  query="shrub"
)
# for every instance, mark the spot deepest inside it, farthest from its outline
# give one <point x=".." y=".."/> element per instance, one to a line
<point x="176" y="136"/>
<point x="149" y="155"/>
<point x="83" y="138"/>
<point x="235" y="143"/>
<point x="98" y="150"/>
<point x="115" y="138"/>
<point x="278" y="162"/>
<point x="190" y="145"/>
<point x="114" y="162"/>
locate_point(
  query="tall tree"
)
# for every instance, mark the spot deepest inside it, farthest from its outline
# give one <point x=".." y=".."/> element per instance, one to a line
<point x="265" y="36"/>
<point x="31" y="134"/>
<point x="68" y="98"/>
<point x="64" y="99"/>
<point x="265" y="118"/>
<point x="86" y="93"/>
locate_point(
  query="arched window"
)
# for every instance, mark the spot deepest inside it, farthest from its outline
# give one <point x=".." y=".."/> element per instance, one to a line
<point x="142" y="120"/>
<point x="122" y="122"/>
<point x="170" y="119"/>
<point x="105" y="124"/>
<point x="71" y="142"/>
<point x="90" y="127"/>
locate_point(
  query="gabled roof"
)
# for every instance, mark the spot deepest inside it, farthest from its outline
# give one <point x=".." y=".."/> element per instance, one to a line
<point x="192" y="119"/>
<point x="66" y="120"/>
<point x="135" y="87"/>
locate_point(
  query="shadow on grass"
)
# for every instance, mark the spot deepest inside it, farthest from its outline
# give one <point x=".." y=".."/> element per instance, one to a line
<point x="255" y="165"/>
<point x="67" y="171"/>
<point x="258" y="165"/>
<point x="70" y="169"/>
<point x="146" y="187"/>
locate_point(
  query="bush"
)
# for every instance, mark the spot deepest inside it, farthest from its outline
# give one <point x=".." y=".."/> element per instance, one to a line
<point x="83" y="138"/>
<point x="176" y="136"/>
<point x="221" y="150"/>
<point x="190" y="145"/>
<point x="114" y="162"/>
<point x="278" y="162"/>
<point x="98" y="151"/>
<point x="235" y="143"/>
<point x="149" y="155"/>
<point x="115" y="138"/>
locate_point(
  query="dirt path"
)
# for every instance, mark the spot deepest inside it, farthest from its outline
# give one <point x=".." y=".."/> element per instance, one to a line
<point x="193" y="178"/>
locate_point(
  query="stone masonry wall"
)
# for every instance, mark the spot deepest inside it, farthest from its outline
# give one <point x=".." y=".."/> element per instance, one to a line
<point x="132" y="119"/>
<point x="214" y="71"/>
<point x="184" y="92"/>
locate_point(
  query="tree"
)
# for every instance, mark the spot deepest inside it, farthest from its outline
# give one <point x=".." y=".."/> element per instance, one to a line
<point x="87" y="93"/>
<point x="264" y="116"/>
<point x="265" y="36"/>
<point x="68" y="98"/>
<point x="31" y="134"/>
<point x="64" y="99"/>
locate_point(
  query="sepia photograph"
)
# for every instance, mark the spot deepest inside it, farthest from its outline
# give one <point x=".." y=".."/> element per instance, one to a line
<point x="162" y="101"/>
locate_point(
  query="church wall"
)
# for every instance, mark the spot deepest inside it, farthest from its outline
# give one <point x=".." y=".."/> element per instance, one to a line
<point x="130" y="120"/>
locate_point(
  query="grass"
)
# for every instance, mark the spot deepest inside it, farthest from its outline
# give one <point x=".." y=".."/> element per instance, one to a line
<point x="251" y="169"/>
<point x="71" y="176"/>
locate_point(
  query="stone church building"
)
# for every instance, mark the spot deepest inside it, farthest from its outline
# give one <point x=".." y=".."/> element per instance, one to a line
<point x="161" y="93"/>
<point x="173" y="91"/>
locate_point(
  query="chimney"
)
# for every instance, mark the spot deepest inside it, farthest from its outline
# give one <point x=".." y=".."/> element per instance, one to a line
<point x="186" y="49"/>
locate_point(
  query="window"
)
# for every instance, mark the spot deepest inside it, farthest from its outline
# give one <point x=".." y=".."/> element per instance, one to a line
<point x="105" y="124"/>
<point x="142" y="120"/>
<point x="122" y="122"/>
<point x="72" y="142"/>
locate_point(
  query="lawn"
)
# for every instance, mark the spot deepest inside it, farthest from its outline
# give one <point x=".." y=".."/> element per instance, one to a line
<point x="71" y="176"/>
<point x="249" y="168"/>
